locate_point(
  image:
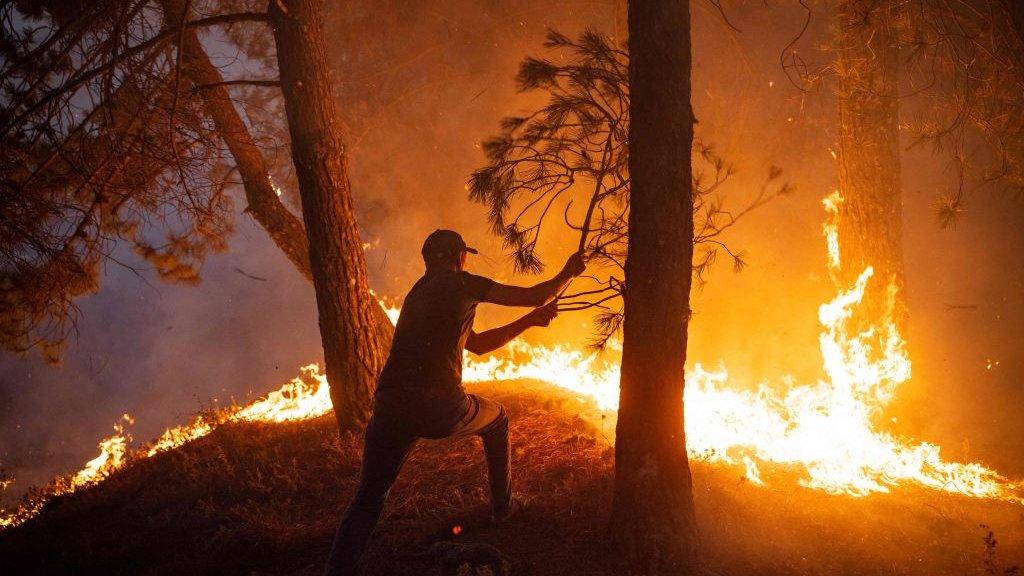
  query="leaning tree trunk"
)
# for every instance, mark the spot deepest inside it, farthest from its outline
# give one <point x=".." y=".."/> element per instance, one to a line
<point x="353" y="351"/>
<point x="264" y="204"/>
<point x="653" y="522"/>
<point x="283" y="227"/>
<point x="869" y="153"/>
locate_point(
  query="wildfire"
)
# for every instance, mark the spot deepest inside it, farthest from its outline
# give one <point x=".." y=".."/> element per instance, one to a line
<point x="113" y="451"/>
<point x="114" y="454"/>
<point x="823" y="429"/>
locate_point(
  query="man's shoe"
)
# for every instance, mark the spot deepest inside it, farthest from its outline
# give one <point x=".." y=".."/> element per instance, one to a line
<point x="514" y="508"/>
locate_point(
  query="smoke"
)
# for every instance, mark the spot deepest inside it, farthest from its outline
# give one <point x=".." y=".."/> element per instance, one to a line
<point x="420" y="86"/>
<point x="159" y="352"/>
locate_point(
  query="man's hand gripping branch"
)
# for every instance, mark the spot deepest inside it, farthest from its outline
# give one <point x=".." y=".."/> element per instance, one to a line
<point x="543" y="296"/>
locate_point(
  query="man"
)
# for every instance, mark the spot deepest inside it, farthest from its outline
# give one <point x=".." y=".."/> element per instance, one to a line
<point x="420" y="394"/>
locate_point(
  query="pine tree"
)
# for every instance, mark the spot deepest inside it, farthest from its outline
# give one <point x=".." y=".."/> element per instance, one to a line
<point x="653" y="519"/>
<point x="353" y="353"/>
<point x="119" y="129"/>
<point x="870" y="212"/>
<point x="568" y="161"/>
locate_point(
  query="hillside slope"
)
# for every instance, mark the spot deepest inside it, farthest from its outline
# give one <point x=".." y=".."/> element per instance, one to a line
<point x="265" y="498"/>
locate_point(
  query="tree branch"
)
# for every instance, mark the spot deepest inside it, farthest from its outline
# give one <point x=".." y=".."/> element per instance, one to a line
<point x="75" y="82"/>
<point x="240" y="82"/>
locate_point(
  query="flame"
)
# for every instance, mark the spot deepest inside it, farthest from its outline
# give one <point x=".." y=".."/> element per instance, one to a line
<point x="392" y="311"/>
<point x="825" y="430"/>
<point x="571" y="369"/>
<point x="306" y="396"/>
<point x="753" y="473"/>
<point x="831" y="229"/>
<point x="174" y="437"/>
<point x="390" y="308"/>
<point x="113" y="455"/>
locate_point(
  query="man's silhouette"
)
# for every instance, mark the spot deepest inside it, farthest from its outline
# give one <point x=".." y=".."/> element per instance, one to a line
<point x="420" y="394"/>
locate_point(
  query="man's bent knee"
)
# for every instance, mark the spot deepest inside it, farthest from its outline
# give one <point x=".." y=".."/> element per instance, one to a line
<point x="498" y="424"/>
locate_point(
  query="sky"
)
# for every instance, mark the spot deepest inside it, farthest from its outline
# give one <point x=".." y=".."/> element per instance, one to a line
<point x="420" y="88"/>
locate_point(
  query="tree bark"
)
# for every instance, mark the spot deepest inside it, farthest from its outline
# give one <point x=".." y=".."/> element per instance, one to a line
<point x="353" y="351"/>
<point x="284" y="228"/>
<point x="1015" y="8"/>
<point x="621" y="24"/>
<point x="653" y="521"/>
<point x="264" y="205"/>
<point x="870" y="229"/>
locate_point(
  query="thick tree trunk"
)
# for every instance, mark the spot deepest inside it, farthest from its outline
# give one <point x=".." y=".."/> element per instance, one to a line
<point x="264" y="205"/>
<point x="353" y="351"/>
<point x="653" y="522"/>
<point x="869" y="151"/>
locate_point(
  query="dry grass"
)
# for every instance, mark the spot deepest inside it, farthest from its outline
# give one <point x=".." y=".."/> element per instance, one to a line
<point x="264" y="499"/>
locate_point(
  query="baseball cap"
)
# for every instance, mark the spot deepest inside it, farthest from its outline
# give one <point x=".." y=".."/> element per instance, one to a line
<point x="445" y="242"/>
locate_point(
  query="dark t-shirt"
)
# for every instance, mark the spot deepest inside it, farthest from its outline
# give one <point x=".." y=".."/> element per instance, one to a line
<point x="436" y="319"/>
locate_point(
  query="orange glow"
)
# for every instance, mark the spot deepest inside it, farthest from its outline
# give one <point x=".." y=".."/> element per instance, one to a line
<point x="113" y="455"/>
<point x="824" y="429"/>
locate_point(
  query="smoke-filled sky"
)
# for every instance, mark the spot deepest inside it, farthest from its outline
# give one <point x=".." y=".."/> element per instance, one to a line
<point x="420" y="86"/>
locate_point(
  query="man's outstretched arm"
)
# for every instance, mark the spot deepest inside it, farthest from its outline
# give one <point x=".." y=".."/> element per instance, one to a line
<point x="539" y="294"/>
<point x="491" y="340"/>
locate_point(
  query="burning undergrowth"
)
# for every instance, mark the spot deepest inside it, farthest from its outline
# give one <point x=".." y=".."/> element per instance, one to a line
<point x="258" y="497"/>
<point x="825" y="431"/>
<point x="778" y="473"/>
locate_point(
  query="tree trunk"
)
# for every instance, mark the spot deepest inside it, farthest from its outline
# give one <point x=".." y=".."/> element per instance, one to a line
<point x="264" y="205"/>
<point x="1015" y="8"/>
<point x="621" y="26"/>
<point x="653" y="521"/>
<point x="353" y="351"/>
<point x="284" y="228"/>
<point x="869" y="151"/>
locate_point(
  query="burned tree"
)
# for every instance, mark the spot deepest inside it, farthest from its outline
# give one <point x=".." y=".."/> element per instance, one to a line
<point x="207" y="82"/>
<point x="867" y="36"/>
<point x="653" y="520"/>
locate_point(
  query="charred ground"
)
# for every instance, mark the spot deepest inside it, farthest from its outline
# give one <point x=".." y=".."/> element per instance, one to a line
<point x="265" y="498"/>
